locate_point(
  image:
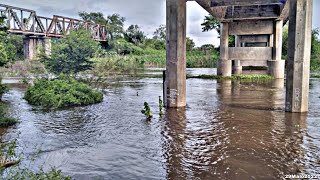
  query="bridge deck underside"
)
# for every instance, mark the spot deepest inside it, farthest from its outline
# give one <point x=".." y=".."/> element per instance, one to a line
<point x="239" y="10"/>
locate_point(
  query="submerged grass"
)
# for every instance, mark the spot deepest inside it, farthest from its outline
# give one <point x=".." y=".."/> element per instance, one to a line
<point x="315" y="76"/>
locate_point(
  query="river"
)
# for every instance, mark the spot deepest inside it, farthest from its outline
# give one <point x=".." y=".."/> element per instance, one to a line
<point x="229" y="130"/>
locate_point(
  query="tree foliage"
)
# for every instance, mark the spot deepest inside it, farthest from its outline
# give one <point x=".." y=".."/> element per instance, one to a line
<point x="315" y="48"/>
<point x="72" y="54"/>
<point x="190" y="44"/>
<point x="210" y="23"/>
<point x="134" y="35"/>
<point x="160" y="33"/>
<point x="114" y="23"/>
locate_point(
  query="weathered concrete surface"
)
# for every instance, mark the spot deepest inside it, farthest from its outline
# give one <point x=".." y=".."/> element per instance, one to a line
<point x="257" y="63"/>
<point x="231" y="10"/>
<point x="276" y="68"/>
<point x="175" y="83"/>
<point x="33" y="44"/>
<point x="237" y="68"/>
<point x="250" y="53"/>
<point x="224" y="64"/>
<point x="255" y="44"/>
<point x="242" y="2"/>
<point x="255" y="38"/>
<point x="299" y="52"/>
<point x="251" y="27"/>
<point x="277" y="40"/>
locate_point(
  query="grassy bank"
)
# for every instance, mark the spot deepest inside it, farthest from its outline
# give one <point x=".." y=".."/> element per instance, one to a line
<point x="195" y="58"/>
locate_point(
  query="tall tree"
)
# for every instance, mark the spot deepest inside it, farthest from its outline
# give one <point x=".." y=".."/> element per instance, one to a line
<point x="134" y="35"/>
<point x="210" y="23"/>
<point x="114" y="23"/>
<point x="160" y="33"/>
<point x="72" y="54"/>
<point x="190" y="44"/>
<point x="95" y="17"/>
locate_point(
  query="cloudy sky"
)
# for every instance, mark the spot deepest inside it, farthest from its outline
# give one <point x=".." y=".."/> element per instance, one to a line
<point x="148" y="14"/>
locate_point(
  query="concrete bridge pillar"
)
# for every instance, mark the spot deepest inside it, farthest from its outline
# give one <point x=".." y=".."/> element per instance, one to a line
<point x="299" y="52"/>
<point x="237" y="68"/>
<point x="276" y="65"/>
<point x="175" y="81"/>
<point x="33" y="44"/>
<point x="224" y="64"/>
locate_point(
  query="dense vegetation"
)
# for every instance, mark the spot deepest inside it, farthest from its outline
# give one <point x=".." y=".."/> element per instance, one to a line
<point x="72" y="54"/>
<point x="315" y="48"/>
<point x="69" y="56"/>
<point x="61" y="93"/>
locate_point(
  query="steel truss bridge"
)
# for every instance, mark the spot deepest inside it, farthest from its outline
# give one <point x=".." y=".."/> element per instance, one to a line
<point x="26" y="22"/>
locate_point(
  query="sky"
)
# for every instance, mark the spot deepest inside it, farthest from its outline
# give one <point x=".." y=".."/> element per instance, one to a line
<point x="148" y="14"/>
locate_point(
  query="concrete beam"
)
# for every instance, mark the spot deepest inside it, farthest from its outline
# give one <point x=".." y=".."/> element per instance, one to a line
<point x="215" y="3"/>
<point x="251" y="27"/>
<point x="255" y="38"/>
<point x="250" y="53"/>
<point x="224" y="64"/>
<point x="218" y="12"/>
<point x="175" y="83"/>
<point x="285" y="12"/>
<point x="255" y="63"/>
<point x="269" y="11"/>
<point x="299" y="52"/>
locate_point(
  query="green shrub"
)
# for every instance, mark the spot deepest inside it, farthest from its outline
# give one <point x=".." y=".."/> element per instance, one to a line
<point x="121" y="46"/>
<point x="72" y="54"/>
<point x="61" y="93"/>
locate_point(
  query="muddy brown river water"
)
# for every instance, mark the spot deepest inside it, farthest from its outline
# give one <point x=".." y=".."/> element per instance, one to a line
<point x="229" y="130"/>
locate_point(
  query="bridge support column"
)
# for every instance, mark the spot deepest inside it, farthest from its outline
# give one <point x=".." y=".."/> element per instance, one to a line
<point x="237" y="68"/>
<point x="175" y="83"/>
<point x="276" y="65"/>
<point x="32" y="46"/>
<point x="299" y="52"/>
<point x="224" y="65"/>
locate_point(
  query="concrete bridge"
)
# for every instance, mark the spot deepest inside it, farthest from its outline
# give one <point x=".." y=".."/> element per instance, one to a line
<point x="39" y="30"/>
<point x="257" y="26"/>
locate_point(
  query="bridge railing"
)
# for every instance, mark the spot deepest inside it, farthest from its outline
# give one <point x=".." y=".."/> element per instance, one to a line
<point x="27" y="22"/>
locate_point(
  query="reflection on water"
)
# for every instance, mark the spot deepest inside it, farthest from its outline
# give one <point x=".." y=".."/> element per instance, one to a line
<point x="229" y="130"/>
